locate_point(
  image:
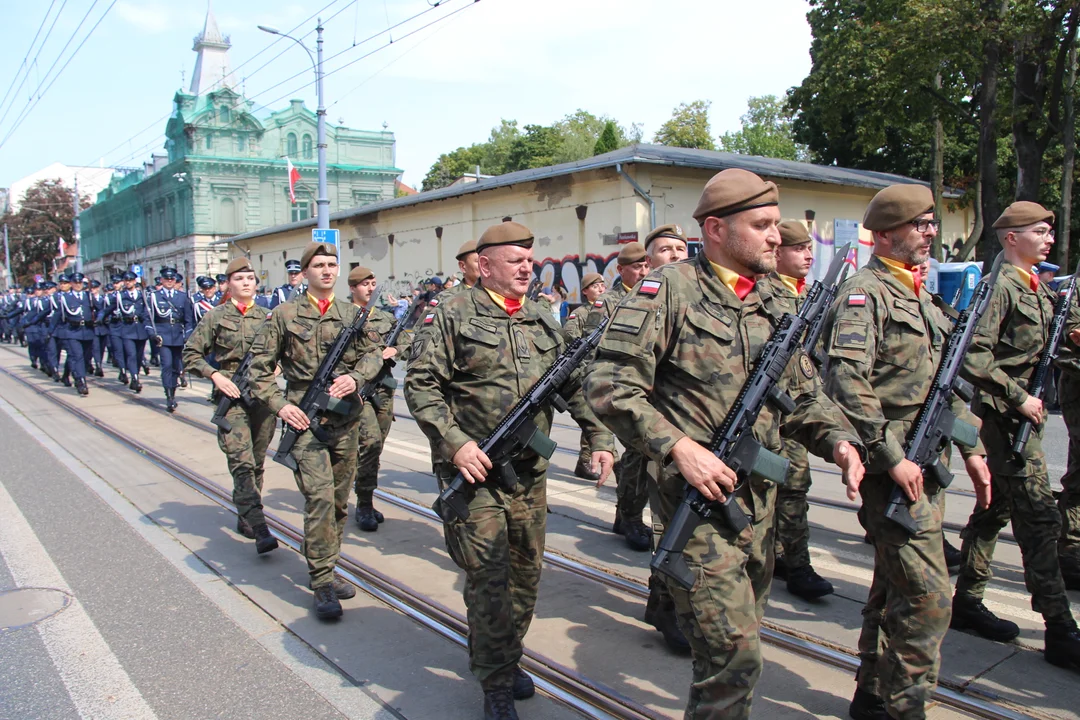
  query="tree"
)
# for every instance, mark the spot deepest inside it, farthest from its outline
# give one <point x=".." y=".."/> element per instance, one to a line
<point x="536" y="148"/>
<point x="46" y="214"/>
<point x="608" y="140"/>
<point x="688" y="127"/>
<point x="766" y="130"/>
<point x="452" y="165"/>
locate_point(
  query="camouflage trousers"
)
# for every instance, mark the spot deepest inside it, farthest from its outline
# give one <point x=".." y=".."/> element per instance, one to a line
<point x="909" y="606"/>
<point x="1069" y="501"/>
<point x="375" y="421"/>
<point x="500" y="547"/>
<point x="323" y="476"/>
<point x="245" y="452"/>
<point x="632" y="484"/>
<point x="1020" y="492"/>
<point x="792" y="523"/>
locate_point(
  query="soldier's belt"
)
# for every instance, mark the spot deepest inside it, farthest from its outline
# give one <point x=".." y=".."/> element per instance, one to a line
<point x="128" y="320"/>
<point x="80" y="324"/>
<point x="172" y="321"/>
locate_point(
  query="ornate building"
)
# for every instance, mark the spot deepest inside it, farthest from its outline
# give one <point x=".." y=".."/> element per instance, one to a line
<point x="225" y="174"/>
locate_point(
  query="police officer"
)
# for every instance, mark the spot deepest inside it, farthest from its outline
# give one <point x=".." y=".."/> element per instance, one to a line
<point x="293" y="288"/>
<point x="33" y="322"/>
<point x="669" y="368"/>
<point x="170" y="320"/>
<point x="480" y="351"/>
<point x="101" y="331"/>
<point x="222" y="286"/>
<point x="999" y="363"/>
<point x="75" y="324"/>
<point x="206" y="299"/>
<point x="128" y="310"/>
<point x="296" y="336"/>
<point x="111" y="322"/>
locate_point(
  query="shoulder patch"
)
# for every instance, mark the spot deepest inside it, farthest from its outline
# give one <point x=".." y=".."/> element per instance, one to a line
<point x="374" y="336"/>
<point x="806" y="366"/>
<point x="851" y="334"/>
<point x="434" y="302"/>
<point x="856" y="300"/>
<point x="429" y="318"/>
<point x="598" y="303"/>
<point x="649" y="287"/>
<point x="571" y="316"/>
<point x="628" y="320"/>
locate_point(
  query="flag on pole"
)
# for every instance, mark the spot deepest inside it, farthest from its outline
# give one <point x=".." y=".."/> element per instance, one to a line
<point x="294" y="177"/>
<point x="61" y="247"/>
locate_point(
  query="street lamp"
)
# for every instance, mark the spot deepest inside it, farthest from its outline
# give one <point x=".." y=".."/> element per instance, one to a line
<point x="323" y="201"/>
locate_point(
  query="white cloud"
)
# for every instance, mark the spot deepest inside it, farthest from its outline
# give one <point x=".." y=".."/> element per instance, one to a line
<point x="149" y="17"/>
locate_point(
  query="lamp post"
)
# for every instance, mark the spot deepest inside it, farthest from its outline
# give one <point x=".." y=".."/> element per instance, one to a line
<point x="323" y="201"/>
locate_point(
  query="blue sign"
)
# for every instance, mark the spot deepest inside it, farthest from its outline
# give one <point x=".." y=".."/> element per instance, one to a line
<point x="329" y="235"/>
<point x="137" y="269"/>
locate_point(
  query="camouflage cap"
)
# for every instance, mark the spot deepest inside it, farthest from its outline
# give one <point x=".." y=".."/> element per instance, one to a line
<point x="631" y="253"/>
<point x="793" y="232"/>
<point x="733" y="191"/>
<point x="896" y="205"/>
<point x="591" y="279"/>
<point x="506" y="233"/>
<point x="313" y="249"/>
<point x="673" y="231"/>
<point x="359" y="274"/>
<point x="240" y="264"/>
<point x="1023" y="213"/>
<point x="466" y="249"/>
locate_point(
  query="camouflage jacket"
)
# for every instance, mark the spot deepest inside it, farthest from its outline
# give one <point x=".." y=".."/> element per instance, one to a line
<point x="297" y="337"/>
<point x="884" y="345"/>
<point x="574" y="327"/>
<point x="471" y="363"/>
<point x="604" y="306"/>
<point x="677" y="353"/>
<point x="1068" y="352"/>
<point x="1008" y="341"/>
<point x="226" y="334"/>
<point x="378" y="327"/>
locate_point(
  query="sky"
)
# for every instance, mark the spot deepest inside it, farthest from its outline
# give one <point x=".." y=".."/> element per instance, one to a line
<point x="436" y="89"/>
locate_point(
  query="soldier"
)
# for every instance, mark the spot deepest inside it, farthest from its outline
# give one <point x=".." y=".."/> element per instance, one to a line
<point x="52" y="351"/>
<point x="75" y="324"/>
<point x="670" y="366"/>
<point x="377" y="415"/>
<point x="1069" y="500"/>
<point x="592" y="287"/>
<point x="468" y="263"/>
<point x="293" y="288"/>
<point x="206" y="299"/>
<point x="296" y="336"/>
<point x="479" y="352"/>
<point x="227" y="333"/>
<point x="999" y="363"/>
<point x="170" y="320"/>
<point x="666" y="244"/>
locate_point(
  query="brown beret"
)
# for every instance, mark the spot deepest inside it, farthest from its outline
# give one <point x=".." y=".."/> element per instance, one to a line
<point x="506" y="233"/>
<point x="359" y="274"/>
<point x="631" y="253"/>
<point x="240" y="264"/>
<point x="734" y="190"/>
<point x="465" y="250"/>
<point x="896" y="205"/>
<point x="591" y="279"/>
<point x="793" y="232"/>
<point x="1023" y="213"/>
<point x="314" y="249"/>
<point x="671" y="231"/>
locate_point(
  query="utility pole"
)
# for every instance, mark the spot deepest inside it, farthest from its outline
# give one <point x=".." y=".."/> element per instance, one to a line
<point x="7" y="258"/>
<point x="78" y="242"/>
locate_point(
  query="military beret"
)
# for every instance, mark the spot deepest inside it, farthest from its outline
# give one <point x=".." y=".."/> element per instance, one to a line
<point x="793" y="232"/>
<point x="466" y="249"/>
<point x="240" y="264"/>
<point x="1023" y="213"/>
<point x="733" y="191"/>
<point x="128" y="275"/>
<point x="506" y="233"/>
<point x="221" y="277"/>
<point x="313" y="249"/>
<point x="359" y="274"/>
<point x="896" y="205"/>
<point x="591" y="279"/>
<point x="672" y="231"/>
<point x="631" y="253"/>
<point x="293" y="266"/>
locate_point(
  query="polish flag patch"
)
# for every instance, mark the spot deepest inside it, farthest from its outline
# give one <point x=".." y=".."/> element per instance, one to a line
<point x="433" y="302"/>
<point x="598" y="303"/>
<point x="856" y="300"/>
<point x="571" y="316"/>
<point x="429" y="318"/>
<point x="649" y="287"/>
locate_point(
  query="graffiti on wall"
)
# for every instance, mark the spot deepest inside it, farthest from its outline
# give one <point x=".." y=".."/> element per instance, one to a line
<point x="569" y="270"/>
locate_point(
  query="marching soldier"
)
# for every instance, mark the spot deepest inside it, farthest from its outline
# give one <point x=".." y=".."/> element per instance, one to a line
<point x="1069" y="500"/>
<point x="111" y="321"/>
<point x="468" y="263"/>
<point x="75" y="324"/>
<point x="227" y="333"/>
<point x="170" y="320"/>
<point x="592" y="287"/>
<point x="130" y="309"/>
<point x="480" y="351"/>
<point x="34" y="323"/>
<point x="1002" y="356"/>
<point x="101" y="330"/>
<point x="670" y="366"/>
<point x="59" y="332"/>
<point x="293" y="288"/>
<point x="206" y="299"/>
<point x="296" y="336"/>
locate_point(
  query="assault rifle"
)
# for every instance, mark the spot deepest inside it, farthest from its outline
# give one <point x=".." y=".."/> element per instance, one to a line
<point x="813" y="331"/>
<point x="1037" y="384"/>
<point x="534" y="290"/>
<point x="936" y="424"/>
<point x="734" y="441"/>
<point x="367" y="392"/>
<point x="317" y="400"/>
<point x="243" y="383"/>
<point x="518" y="431"/>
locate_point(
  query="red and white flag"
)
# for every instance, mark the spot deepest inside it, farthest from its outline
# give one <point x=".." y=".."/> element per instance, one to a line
<point x="294" y="177"/>
<point x="61" y="247"/>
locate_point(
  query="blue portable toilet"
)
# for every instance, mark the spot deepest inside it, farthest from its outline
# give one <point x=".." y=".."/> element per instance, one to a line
<point x="956" y="282"/>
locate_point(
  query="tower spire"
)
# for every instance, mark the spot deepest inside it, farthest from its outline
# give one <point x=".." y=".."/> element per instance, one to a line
<point x="212" y="61"/>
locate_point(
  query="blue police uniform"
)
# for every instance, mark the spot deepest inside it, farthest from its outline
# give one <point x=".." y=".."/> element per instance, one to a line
<point x="129" y="308"/>
<point x="75" y="322"/>
<point x="171" y="317"/>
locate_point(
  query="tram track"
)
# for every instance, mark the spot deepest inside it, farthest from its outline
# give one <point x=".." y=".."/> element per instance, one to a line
<point x="563" y="684"/>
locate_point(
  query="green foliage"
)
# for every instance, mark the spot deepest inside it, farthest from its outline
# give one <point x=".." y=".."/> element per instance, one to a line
<point x="45" y="215"/>
<point x="608" y="141"/>
<point x="536" y="148"/>
<point x="766" y="130"/>
<point x="452" y="165"/>
<point x="688" y="127"/>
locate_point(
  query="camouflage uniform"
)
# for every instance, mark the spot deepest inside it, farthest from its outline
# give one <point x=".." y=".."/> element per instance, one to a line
<point x="297" y="337"/>
<point x="469" y="365"/>
<point x="1000" y="361"/>
<point x="1069" y="500"/>
<point x="227" y="334"/>
<point x="671" y="364"/>
<point x="884" y="345"/>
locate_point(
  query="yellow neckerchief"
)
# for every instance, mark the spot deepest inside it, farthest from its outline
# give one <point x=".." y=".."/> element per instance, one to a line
<point x="237" y="304"/>
<point x="901" y="272"/>
<point x="315" y="302"/>
<point x="728" y="277"/>
<point x="626" y="287"/>
<point x="1025" y="277"/>
<point x="790" y="283"/>
<point x="499" y="299"/>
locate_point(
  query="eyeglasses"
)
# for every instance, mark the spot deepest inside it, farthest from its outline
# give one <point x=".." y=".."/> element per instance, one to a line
<point x="924" y="225"/>
<point x="1043" y="232"/>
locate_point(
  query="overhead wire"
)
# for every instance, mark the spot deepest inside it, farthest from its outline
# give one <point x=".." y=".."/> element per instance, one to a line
<point x="27" y="55"/>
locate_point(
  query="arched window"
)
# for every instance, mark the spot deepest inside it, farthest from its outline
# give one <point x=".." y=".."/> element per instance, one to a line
<point x="241" y="143"/>
<point x="223" y="115"/>
<point x="209" y="141"/>
<point x="307" y="147"/>
<point x="290" y="145"/>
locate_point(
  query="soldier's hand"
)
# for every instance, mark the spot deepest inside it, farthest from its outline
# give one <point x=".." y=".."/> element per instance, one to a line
<point x="225" y="385"/>
<point x="389" y="353"/>
<point x="472" y="462"/>
<point x="1033" y="409"/>
<point x="159" y="341"/>
<point x="602" y="462"/>
<point x="703" y="470"/>
<point x="294" y="417"/>
<point x="980" y="478"/>
<point x="1074" y="335"/>
<point x="343" y="386"/>
<point x="847" y="459"/>
<point x="909" y="477"/>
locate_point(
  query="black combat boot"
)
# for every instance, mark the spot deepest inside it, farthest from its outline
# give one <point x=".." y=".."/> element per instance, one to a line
<point x="264" y="541"/>
<point x="183" y="380"/>
<point x="637" y="535"/>
<point x="804" y="582"/>
<point x="953" y="557"/>
<point x="523" y="685"/>
<point x="327" y="606"/>
<point x="243" y="528"/>
<point x="1062" y="645"/>
<point x="342" y="589"/>
<point x="122" y="377"/>
<point x="33" y="364"/>
<point x="145" y="369"/>
<point x="584" y="471"/>
<point x="866" y="706"/>
<point x="170" y="400"/>
<point x="499" y="705"/>
<point x="80" y="385"/>
<point x="98" y="372"/>
<point x="970" y="614"/>
<point x="135" y="384"/>
<point x="660" y="613"/>
<point x="780" y="568"/>
<point x="365" y="518"/>
<point x="66" y="378"/>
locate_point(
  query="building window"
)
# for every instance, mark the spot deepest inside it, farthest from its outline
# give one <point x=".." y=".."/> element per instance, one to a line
<point x="307" y="147"/>
<point x="303" y="209"/>
<point x="241" y="143"/>
<point x="227" y="219"/>
<point x="223" y="115"/>
<point x="290" y="145"/>
<point x="209" y="141"/>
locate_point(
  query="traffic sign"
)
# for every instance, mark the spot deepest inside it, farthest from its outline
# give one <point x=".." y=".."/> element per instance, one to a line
<point x="137" y="269"/>
<point x="328" y="235"/>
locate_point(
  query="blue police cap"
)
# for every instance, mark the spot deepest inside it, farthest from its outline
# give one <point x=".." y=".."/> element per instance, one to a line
<point x="38" y="286"/>
<point x="49" y="284"/>
<point x="168" y="274"/>
<point x="115" y="278"/>
<point x="1048" y="267"/>
<point x="292" y="266"/>
<point x="221" y="278"/>
<point x="77" y="277"/>
<point x="128" y="275"/>
<point x="95" y="284"/>
<point x="205" y="282"/>
<point x="64" y="278"/>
